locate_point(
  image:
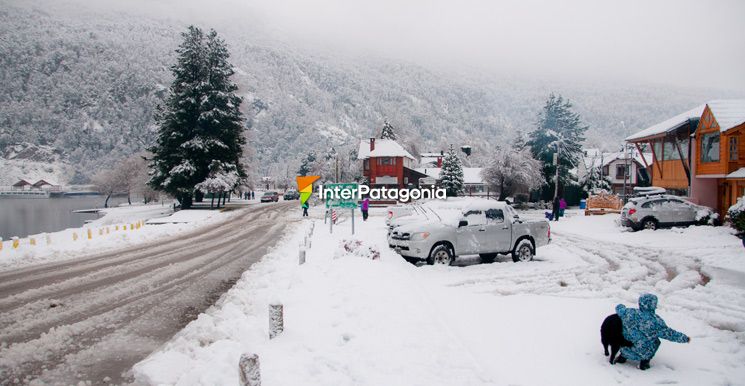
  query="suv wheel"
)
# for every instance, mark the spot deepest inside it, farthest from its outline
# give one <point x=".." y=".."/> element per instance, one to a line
<point x="441" y="255"/>
<point x="649" y="223"/>
<point x="523" y="251"/>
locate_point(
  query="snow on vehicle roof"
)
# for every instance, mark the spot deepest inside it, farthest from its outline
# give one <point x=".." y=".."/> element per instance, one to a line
<point x="383" y="148"/>
<point x="668" y="124"/>
<point x="729" y="113"/>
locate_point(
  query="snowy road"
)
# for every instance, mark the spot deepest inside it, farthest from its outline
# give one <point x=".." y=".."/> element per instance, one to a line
<point x="93" y="318"/>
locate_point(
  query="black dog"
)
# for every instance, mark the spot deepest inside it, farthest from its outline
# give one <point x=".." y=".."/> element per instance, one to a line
<point x="611" y="334"/>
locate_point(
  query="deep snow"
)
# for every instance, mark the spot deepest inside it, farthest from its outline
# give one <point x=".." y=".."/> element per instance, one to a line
<point x="353" y="320"/>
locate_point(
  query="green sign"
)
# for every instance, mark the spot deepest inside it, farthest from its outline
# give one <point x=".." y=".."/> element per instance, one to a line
<point x="340" y="195"/>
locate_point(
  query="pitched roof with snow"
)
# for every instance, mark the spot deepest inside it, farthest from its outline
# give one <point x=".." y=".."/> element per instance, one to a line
<point x="383" y="148"/>
<point x="470" y="175"/>
<point x="737" y="174"/>
<point x="668" y="125"/>
<point x="728" y="112"/>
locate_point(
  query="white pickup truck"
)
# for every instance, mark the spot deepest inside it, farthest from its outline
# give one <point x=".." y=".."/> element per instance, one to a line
<point x="485" y="227"/>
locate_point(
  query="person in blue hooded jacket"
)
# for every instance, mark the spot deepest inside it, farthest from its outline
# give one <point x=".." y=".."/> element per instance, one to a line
<point x="644" y="328"/>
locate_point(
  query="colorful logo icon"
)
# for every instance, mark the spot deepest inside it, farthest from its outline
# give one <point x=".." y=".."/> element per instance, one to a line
<point x="305" y="187"/>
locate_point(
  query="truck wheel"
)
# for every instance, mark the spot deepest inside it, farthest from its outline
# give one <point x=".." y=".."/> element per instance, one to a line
<point x="649" y="223"/>
<point x="523" y="251"/>
<point x="440" y="254"/>
<point x="488" y="257"/>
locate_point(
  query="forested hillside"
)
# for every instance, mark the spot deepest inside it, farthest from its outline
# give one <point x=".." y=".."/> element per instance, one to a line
<point x="89" y="87"/>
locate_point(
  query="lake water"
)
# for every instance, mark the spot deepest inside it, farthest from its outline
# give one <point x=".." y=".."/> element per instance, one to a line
<point x="23" y="216"/>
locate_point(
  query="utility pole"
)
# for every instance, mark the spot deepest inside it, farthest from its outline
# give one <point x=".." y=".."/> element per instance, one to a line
<point x="337" y="169"/>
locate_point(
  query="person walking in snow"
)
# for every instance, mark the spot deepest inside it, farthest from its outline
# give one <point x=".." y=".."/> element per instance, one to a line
<point x="364" y="207"/>
<point x="562" y="206"/>
<point x="644" y="329"/>
<point x="305" y="209"/>
<point x="556" y="208"/>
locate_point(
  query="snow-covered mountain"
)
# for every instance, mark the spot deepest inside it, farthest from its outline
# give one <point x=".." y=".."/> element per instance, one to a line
<point x="87" y="81"/>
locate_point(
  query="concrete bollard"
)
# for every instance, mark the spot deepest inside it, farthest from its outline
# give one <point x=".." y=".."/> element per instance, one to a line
<point x="276" y="320"/>
<point x="301" y="257"/>
<point x="32" y="240"/>
<point x="16" y="242"/>
<point x="249" y="370"/>
<point x="90" y="233"/>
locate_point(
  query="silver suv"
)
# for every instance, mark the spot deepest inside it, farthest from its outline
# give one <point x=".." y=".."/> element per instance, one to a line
<point x="654" y="211"/>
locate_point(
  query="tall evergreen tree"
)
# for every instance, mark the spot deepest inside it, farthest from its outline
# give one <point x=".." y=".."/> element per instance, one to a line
<point x="389" y="132"/>
<point x="451" y="175"/>
<point x="200" y="125"/>
<point x="307" y="164"/>
<point x="558" y="129"/>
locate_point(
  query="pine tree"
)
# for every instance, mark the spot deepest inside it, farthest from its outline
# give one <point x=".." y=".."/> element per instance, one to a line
<point x="388" y="132"/>
<point x="558" y="129"/>
<point x="306" y="165"/>
<point x="595" y="181"/>
<point x="451" y="176"/>
<point x="201" y="124"/>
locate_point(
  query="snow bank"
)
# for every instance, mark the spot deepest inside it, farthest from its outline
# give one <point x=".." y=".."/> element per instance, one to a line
<point x="119" y="227"/>
<point x="357" y="314"/>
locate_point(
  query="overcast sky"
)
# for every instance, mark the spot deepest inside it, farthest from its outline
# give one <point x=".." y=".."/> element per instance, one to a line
<point x="679" y="42"/>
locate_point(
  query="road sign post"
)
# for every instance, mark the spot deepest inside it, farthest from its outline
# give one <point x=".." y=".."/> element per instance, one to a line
<point x="344" y="196"/>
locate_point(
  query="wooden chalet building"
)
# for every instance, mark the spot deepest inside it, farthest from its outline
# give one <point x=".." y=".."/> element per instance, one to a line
<point x="386" y="163"/>
<point x="720" y="164"/>
<point x="670" y="143"/>
<point x="700" y="153"/>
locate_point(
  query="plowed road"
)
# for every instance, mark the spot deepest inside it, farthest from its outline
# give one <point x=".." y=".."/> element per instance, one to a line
<point x="92" y="318"/>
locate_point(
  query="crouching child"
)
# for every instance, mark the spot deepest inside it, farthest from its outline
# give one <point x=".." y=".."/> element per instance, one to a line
<point x="644" y="329"/>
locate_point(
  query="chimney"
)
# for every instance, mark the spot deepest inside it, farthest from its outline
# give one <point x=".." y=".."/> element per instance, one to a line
<point x="372" y="144"/>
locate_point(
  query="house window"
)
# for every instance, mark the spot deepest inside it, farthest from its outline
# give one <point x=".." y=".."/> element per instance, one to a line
<point x="710" y="147"/>
<point x="733" y="148"/>
<point x="606" y="170"/>
<point x="385" y="161"/>
<point x="620" y="171"/>
<point x="366" y="164"/>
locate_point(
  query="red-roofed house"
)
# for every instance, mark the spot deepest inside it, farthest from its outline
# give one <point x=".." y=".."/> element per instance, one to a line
<point x="386" y="163"/>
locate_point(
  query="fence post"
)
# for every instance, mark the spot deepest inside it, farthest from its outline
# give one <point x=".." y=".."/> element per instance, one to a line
<point x="249" y="370"/>
<point x="90" y="234"/>
<point x="1" y="243"/>
<point x="74" y="236"/>
<point x="32" y="240"/>
<point x="48" y="238"/>
<point x="16" y="242"/>
<point x="276" y="320"/>
<point x="301" y="256"/>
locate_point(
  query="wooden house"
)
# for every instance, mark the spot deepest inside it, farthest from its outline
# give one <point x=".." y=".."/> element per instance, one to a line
<point x="670" y="143"/>
<point x="720" y="160"/>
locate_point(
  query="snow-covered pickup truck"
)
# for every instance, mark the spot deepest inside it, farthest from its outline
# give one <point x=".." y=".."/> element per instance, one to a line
<point x="486" y="228"/>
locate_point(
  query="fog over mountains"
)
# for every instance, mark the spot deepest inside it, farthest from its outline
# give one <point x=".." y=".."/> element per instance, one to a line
<point x="85" y="80"/>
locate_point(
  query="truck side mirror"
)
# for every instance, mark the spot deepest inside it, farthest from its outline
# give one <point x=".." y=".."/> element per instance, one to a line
<point x="462" y="223"/>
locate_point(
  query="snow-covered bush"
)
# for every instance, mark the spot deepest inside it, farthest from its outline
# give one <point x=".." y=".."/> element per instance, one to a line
<point x="736" y="214"/>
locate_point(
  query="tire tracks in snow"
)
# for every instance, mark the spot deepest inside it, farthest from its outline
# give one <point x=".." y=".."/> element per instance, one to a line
<point x="114" y="308"/>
